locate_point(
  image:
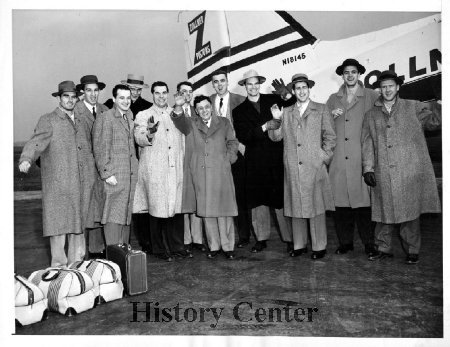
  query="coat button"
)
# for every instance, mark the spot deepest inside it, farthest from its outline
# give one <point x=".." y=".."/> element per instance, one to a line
<point x="299" y="163"/>
<point x="346" y="139"/>
<point x="167" y="129"/>
<point x="79" y="147"/>
<point x="346" y="157"/>
<point x="206" y="154"/>
<point x="388" y="126"/>
<point x="299" y="145"/>
<point x="390" y="146"/>
<point x="346" y="120"/>
<point x="170" y="147"/>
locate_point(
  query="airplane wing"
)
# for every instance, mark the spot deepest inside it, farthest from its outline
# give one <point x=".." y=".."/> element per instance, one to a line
<point x="236" y="42"/>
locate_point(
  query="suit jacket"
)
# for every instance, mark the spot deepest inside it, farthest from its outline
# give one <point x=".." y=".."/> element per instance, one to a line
<point x="114" y="153"/>
<point x="233" y="101"/>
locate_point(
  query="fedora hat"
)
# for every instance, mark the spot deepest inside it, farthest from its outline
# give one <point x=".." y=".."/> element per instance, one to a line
<point x="90" y="79"/>
<point x="300" y="77"/>
<point x="388" y="75"/>
<point x="66" y="86"/>
<point x="135" y="81"/>
<point x="350" y="62"/>
<point x="249" y="74"/>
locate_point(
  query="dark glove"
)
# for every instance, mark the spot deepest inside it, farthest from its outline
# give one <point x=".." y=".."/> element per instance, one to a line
<point x="369" y="178"/>
<point x="151" y="128"/>
<point x="280" y="88"/>
<point x="273" y="124"/>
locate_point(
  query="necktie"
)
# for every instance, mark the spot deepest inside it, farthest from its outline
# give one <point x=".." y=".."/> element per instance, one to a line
<point x="93" y="112"/>
<point x="186" y="110"/>
<point x="220" y="106"/>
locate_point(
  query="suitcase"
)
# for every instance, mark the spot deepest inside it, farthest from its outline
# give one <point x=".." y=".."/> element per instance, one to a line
<point x="133" y="267"/>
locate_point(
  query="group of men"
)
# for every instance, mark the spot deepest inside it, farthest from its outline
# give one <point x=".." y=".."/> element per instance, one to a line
<point x="229" y="163"/>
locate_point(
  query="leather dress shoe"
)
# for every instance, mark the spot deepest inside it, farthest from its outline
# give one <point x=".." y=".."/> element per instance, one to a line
<point x="318" y="254"/>
<point x="298" y="252"/>
<point x="212" y="254"/>
<point x="164" y="256"/>
<point x="412" y="259"/>
<point x="342" y="249"/>
<point x="379" y="255"/>
<point x="182" y="254"/>
<point x="242" y="243"/>
<point x="229" y="255"/>
<point x="289" y="247"/>
<point x="370" y="250"/>
<point x="199" y="247"/>
<point x="259" y="246"/>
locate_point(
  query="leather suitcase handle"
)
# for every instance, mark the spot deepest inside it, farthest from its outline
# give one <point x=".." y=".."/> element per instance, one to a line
<point x="30" y="291"/>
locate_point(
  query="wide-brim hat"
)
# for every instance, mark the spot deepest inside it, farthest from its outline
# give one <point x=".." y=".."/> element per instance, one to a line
<point x="350" y="62"/>
<point x="300" y="77"/>
<point x="135" y="81"/>
<point x="90" y="79"/>
<point x="388" y="75"/>
<point x="66" y="86"/>
<point x="250" y="74"/>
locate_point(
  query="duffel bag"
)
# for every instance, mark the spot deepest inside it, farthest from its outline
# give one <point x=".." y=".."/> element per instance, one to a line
<point x="30" y="302"/>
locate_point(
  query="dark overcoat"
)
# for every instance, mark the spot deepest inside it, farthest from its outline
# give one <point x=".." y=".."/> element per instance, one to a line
<point x="68" y="171"/>
<point x="394" y="147"/>
<point x="208" y="187"/>
<point x="114" y="152"/>
<point x="263" y="157"/>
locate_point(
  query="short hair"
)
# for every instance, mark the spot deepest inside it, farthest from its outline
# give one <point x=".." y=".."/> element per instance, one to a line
<point x="199" y="98"/>
<point x="119" y="86"/>
<point x="184" y="83"/>
<point x="219" y="72"/>
<point x="159" y="84"/>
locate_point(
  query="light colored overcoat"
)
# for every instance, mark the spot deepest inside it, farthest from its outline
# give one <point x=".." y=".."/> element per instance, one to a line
<point x="208" y="187"/>
<point x="160" y="181"/>
<point x="115" y="155"/>
<point x="308" y="147"/>
<point x="349" y="188"/>
<point x="394" y="147"/>
<point x="67" y="171"/>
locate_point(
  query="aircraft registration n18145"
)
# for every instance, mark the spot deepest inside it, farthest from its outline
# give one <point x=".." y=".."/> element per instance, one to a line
<point x="276" y="45"/>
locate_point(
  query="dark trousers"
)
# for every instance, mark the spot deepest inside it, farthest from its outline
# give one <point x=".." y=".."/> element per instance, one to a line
<point x="345" y="219"/>
<point x="140" y="226"/>
<point x="243" y="220"/>
<point x="116" y="233"/>
<point x="167" y="234"/>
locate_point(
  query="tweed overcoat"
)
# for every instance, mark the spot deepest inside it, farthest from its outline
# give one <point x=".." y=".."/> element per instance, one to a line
<point x="349" y="188"/>
<point x="394" y="147"/>
<point x="115" y="155"/>
<point x="97" y="198"/>
<point x="67" y="171"/>
<point x="208" y="187"/>
<point x="159" y="189"/>
<point x="263" y="157"/>
<point x="308" y="147"/>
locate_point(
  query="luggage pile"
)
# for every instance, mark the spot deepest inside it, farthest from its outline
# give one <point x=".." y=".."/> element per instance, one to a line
<point x="82" y="286"/>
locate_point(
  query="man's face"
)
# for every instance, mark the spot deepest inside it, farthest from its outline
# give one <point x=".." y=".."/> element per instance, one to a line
<point x="187" y="93"/>
<point x="350" y="75"/>
<point x="389" y="90"/>
<point x="91" y="92"/>
<point x="123" y="100"/>
<point x="252" y="86"/>
<point x="220" y="84"/>
<point x="160" y="96"/>
<point x="135" y="93"/>
<point x="301" y="91"/>
<point x="67" y="100"/>
<point x="203" y="109"/>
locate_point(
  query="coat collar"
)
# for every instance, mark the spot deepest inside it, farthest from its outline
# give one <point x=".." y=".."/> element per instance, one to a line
<point x="214" y="126"/>
<point x="312" y="106"/>
<point x="127" y="124"/>
<point x="397" y="105"/>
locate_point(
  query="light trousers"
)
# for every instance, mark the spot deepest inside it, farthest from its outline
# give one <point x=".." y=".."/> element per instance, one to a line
<point x="76" y="249"/>
<point x="220" y="233"/>
<point x="317" y="229"/>
<point x="261" y="223"/>
<point x="409" y="235"/>
<point x="192" y="229"/>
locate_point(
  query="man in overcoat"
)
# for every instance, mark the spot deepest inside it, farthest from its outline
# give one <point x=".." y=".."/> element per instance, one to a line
<point x="263" y="159"/>
<point x="193" y="230"/>
<point x="117" y="165"/>
<point x="89" y="107"/>
<point x="62" y="140"/>
<point x="208" y="188"/>
<point x="223" y="103"/>
<point x="160" y="183"/>
<point x="397" y="165"/>
<point x="351" y="193"/>
<point x="307" y="131"/>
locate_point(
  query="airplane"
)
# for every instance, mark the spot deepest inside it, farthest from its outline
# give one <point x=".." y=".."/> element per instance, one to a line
<point x="277" y="46"/>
